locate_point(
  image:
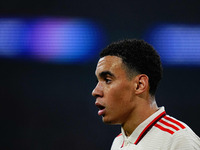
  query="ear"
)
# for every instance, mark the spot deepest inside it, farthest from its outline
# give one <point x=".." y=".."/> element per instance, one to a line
<point x="142" y="83"/>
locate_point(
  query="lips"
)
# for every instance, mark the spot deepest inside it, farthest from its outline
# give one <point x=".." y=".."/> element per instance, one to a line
<point x="101" y="108"/>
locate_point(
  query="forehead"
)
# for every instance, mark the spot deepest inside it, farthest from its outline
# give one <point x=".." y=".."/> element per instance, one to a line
<point x="109" y="63"/>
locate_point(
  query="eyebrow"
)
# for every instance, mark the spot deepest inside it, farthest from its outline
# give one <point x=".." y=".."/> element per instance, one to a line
<point x="105" y="73"/>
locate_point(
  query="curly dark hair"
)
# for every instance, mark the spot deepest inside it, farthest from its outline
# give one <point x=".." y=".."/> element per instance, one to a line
<point x="138" y="56"/>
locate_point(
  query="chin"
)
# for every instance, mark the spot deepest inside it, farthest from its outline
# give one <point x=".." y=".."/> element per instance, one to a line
<point x="109" y="121"/>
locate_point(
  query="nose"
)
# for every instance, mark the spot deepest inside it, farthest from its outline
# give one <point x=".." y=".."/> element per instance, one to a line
<point x="98" y="90"/>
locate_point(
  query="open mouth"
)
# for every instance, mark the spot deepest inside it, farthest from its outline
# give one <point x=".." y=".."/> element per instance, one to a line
<point x="101" y="108"/>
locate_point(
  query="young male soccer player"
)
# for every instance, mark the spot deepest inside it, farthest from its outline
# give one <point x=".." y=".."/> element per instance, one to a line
<point x="128" y="74"/>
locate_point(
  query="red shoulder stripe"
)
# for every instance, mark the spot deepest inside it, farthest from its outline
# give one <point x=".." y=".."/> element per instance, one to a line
<point x="174" y="121"/>
<point x="119" y="134"/>
<point x="168" y="124"/>
<point x="164" y="129"/>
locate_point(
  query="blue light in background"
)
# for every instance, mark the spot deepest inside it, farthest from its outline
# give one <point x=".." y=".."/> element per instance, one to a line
<point x="64" y="40"/>
<point x="177" y="44"/>
<point x="12" y="37"/>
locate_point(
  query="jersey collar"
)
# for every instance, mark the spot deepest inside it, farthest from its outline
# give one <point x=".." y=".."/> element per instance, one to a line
<point x="144" y="127"/>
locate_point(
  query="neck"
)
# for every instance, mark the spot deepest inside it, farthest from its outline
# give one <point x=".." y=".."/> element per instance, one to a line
<point x="139" y="114"/>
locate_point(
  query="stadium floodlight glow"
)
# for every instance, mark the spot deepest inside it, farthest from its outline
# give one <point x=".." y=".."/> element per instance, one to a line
<point x="177" y="44"/>
<point x="12" y="37"/>
<point x="64" y="40"/>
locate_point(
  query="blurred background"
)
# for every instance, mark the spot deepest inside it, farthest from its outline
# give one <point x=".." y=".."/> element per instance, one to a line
<point x="48" y="54"/>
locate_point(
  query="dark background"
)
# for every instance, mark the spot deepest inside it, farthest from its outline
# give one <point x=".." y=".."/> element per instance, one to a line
<point x="49" y="106"/>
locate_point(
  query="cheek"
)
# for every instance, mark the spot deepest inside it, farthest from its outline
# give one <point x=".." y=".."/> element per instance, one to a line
<point x="112" y="96"/>
<point x="119" y="95"/>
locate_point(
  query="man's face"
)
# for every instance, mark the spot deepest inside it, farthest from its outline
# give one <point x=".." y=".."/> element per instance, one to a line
<point x="114" y="91"/>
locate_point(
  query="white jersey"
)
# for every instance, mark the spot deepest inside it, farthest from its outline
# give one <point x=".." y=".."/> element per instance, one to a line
<point x="158" y="132"/>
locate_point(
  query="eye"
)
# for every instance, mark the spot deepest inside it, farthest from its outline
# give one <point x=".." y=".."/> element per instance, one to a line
<point x="108" y="81"/>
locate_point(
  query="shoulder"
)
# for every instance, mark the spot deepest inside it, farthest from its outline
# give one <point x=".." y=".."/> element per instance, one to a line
<point x="177" y="134"/>
<point x="185" y="139"/>
<point x="117" y="142"/>
<point x="118" y="139"/>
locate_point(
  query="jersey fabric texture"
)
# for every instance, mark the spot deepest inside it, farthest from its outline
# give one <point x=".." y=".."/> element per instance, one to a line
<point x="158" y="132"/>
